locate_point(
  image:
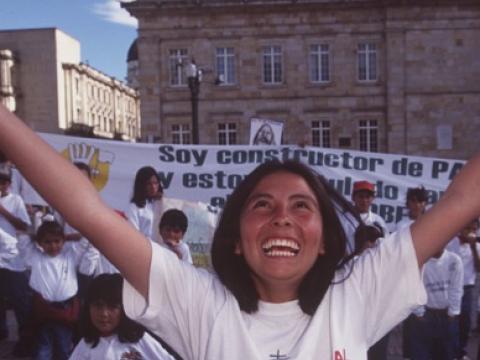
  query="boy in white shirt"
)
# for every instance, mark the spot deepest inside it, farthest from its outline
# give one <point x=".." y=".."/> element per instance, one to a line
<point x="363" y="196"/>
<point x="416" y="203"/>
<point x="13" y="279"/>
<point x="435" y="325"/>
<point x="173" y="226"/>
<point x="53" y="279"/>
<point x="466" y="246"/>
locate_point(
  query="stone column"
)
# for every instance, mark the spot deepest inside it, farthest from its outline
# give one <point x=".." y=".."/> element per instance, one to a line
<point x="7" y="94"/>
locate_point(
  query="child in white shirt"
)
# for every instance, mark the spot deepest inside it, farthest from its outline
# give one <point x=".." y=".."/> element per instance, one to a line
<point x="173" y="226"/>
<point x="53" y="279"/>
<point x="107" y="332"/>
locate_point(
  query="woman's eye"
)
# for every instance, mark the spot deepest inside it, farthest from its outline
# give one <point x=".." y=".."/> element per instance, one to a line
<point x="260" y="204"/>
<point x="302" y="205"/>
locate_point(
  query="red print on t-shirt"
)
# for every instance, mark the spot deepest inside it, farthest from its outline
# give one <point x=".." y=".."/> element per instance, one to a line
<point x="340" y="355"/>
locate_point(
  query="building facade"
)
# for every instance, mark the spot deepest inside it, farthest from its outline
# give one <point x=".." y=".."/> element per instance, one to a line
<point x="44" y="82"/>
<point x="380" y="75"/>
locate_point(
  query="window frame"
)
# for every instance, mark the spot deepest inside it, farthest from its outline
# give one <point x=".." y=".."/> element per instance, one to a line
<point x="370" y="55"/>
<point x="321" y="131"/>
<point x="181" y="134"/>
<point x="227" y="135"/>
<point x="229" y="69"/>
<point x="317" y="63"/>
<point x="368" y="135"/>
<point x="275" y="61"/>
<point x="176" y="59"/>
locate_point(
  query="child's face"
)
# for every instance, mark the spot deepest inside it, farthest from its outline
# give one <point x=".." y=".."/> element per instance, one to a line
<point x="363" y="200"/>
<point x="52" y="244"/>
<point x="105" y="317"/>
<point x="171" y="235"/>
<point x="415" y="207"/>
<point x="470" y="229"/>
<point x="152" y="187"/>
<point x="4" y="185"/>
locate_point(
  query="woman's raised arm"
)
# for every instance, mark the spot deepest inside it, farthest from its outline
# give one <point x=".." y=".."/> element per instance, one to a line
<point x="457" y="207"/>
<point x="69" y="192"/>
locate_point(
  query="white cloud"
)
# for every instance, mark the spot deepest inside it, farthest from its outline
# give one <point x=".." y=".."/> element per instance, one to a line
<point x="111" y="10"/>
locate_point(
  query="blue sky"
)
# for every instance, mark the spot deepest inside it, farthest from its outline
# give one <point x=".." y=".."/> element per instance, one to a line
<point x="105" y="31"/>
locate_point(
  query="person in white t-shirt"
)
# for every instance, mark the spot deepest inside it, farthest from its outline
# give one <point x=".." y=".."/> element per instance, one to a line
<point x="282" y="288"/>
<point x="466" y="246"/>
<point x="435" y="325"/>
<point x="107" y="333"/>
<point x="14" y="221"/>
<point x="416" y="203"/>
<point x="147" y="190"/>
<point x="172" y="227"/>
<point x="363" y="196"/>
<point x="53" y="279"/>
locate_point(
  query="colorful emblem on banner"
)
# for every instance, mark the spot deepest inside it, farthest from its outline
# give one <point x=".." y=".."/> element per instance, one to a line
<point x="97" y="159"/>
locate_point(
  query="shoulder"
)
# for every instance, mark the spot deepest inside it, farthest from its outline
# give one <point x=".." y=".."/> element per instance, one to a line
<point x="81" y="351"/>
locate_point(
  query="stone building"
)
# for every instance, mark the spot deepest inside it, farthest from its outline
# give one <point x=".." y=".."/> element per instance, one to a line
<point x="44" y="82"/>
<point x="375" y="75"/>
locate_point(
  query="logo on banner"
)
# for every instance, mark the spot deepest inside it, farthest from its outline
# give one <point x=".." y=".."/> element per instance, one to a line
<point x="98" y="160"/>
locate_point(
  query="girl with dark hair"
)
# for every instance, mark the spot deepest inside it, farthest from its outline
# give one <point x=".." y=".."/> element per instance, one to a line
<point x="146" y="190"/>
<point x="283" y="289"/>
<point x="107" y="332"/>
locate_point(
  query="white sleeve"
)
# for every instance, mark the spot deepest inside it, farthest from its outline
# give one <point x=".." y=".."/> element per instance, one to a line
<point x="8" y="247"/>
<point x="455" y="288"/>
<point x="132" y="215"/>
<point x="185" y="251"/>
<point x="89" y="261"/>
<point x="152" y="349"/>
<point x="81" y="351"/>
<point x="388" y="281"/>
<point x="28" y="249"/>
<point x="21" y="211"/>
<point x="182" y="305"/>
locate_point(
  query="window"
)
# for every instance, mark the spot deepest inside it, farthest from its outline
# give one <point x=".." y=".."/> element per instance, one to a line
<point x="368" y="132"/>
<point x="227" y="134"/>
<point x="367" y="62"/>
<point x="319" y="63"/>
<point x="272" y="65"/>
<point x="225" y="65"/>
<point x="177" y="57"/>
<point x="181" y="134"/>
<point x="321" y="133"/>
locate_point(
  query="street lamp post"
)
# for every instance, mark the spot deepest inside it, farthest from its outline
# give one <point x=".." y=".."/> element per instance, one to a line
<point x="194" y="77"/>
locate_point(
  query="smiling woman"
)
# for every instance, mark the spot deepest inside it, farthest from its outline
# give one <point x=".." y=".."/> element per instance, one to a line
<point x="283" y="289"/>
<point x="272" y="194"/>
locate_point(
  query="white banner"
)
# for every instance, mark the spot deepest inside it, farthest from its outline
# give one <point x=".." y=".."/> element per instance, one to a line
<point x="208" y="173"/>
<point x="265" y="132"/>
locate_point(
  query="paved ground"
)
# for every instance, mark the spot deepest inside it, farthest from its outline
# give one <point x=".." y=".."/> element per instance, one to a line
<point x="394" y="347"/>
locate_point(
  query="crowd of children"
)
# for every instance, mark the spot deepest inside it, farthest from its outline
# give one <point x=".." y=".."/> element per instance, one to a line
<point x="63" y="290"/>
<point x="49" y="271"/>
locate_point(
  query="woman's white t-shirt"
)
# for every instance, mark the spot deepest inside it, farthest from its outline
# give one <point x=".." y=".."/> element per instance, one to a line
<point x="195" y="314"/>
<point x="142" y="218"/>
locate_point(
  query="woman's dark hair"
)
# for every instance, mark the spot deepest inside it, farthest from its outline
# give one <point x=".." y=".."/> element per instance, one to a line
<point x="419" y="194"/>
<point x="174" y="218"/>
<point x="50" y="227"/>
<point x="139" y="188"/>
<point x="108" y="288"/>
<point x="84" y="167"/>
<point x="233" y="270"/>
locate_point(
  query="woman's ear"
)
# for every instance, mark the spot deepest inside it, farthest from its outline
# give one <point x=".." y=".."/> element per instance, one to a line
<point x="321" y="247"/>
<point x="238" y="248"/>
